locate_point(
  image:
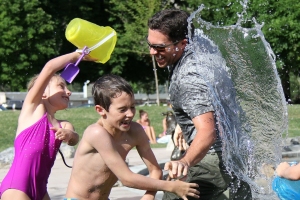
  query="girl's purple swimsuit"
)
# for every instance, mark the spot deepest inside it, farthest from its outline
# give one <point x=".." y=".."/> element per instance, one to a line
<point x="35" y="153"/>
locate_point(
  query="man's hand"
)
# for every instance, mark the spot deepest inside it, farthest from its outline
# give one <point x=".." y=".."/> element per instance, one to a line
<point x="178" y="139"/>
<point x="177" y="168"/>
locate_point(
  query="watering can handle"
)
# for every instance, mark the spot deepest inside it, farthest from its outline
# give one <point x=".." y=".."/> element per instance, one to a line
<point x="84" y="52"/>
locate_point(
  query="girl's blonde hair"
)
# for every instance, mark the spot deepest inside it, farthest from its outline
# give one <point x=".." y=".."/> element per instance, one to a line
<point x="33" y="79"/>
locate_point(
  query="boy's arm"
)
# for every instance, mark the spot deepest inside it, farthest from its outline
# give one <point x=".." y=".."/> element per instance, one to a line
<point x="108" y="150"/>
<point x="149" y="159"/>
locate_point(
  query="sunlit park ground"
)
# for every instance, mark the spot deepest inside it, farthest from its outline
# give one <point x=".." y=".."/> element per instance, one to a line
<point x="82" y="117"/>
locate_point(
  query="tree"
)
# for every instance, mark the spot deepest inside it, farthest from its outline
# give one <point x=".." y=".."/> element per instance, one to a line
<point x="34" y="32"/>
<point x="281" y="29"/>
<point x="26" y="41"/>
<point x="90" y="10"/>
<point x="131" y="57"/>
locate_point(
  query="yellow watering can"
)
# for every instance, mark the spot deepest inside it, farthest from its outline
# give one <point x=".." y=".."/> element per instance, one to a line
<point x="100" y="40"/>
<point x="97" y="41"/>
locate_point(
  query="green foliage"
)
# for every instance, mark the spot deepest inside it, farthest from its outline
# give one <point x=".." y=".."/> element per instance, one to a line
<point x="281" y="29"/>
<point x="64" y="12"/>
<point x="131" y="56"/>
<point x="32" y="32"/>
<point x="217" y="12"/>
<point x="295" y="88"/>
<point x="280" y="19"/>
<point x="26" y="40"/>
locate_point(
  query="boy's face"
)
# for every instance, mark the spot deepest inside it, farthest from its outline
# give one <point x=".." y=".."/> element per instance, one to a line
<point x="121" y="112"/>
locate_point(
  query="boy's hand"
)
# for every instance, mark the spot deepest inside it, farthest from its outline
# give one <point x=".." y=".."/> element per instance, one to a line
<point x="148" y="197"/>
<point x="184" y="189"/>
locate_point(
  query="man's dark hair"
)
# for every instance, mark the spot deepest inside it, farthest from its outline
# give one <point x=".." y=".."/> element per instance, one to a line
<point x="107" y="87"/>
<point x="171" y="22"/>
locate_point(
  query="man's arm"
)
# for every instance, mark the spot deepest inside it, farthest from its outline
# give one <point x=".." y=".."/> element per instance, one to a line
<point x="205" y="137"/>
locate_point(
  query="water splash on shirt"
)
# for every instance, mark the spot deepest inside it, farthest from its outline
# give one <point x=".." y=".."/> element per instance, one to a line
<point x="247" y="96"/>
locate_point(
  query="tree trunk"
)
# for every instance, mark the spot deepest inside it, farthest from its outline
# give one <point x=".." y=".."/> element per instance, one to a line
<point x="156" y="81"/>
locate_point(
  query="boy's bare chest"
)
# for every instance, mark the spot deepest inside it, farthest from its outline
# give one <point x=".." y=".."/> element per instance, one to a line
<point x="123" y="149"/>
<point x="124" y="144"/>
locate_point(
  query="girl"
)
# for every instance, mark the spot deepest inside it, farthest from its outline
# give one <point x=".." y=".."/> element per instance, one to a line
<point x="145" y="122"/>
<point x="39" y="134"/>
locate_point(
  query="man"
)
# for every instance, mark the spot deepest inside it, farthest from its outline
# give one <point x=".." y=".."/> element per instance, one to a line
<point x="191" y="101"/>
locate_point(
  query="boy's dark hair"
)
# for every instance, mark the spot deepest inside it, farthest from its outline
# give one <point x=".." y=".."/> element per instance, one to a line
<point x="107" y="87"/>
<point x="171" y="22"/>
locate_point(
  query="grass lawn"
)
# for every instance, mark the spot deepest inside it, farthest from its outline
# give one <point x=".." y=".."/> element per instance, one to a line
<point x="82" y="117"/>
<point x="79" y="117"/>
<point x="294" y="120"/>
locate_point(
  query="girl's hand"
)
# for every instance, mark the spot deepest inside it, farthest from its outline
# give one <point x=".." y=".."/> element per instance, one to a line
<point x="62" y="134"/>
<point x="67" y="133"/>
<point x="89" y="58"/>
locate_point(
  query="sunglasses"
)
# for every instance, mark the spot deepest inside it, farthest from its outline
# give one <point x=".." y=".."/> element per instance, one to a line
<point x="158" y="47"/>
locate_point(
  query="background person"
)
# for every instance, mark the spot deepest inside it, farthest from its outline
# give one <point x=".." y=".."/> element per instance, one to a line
<point x="145" y="122"/>
<point x="164" y="125"/>
<point x="164" y="121"/>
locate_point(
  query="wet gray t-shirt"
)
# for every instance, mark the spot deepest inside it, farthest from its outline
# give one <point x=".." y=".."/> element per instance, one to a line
<point x="190" y="96"/>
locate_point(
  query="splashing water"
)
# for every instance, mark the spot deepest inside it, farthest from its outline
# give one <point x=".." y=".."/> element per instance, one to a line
<point x="250" y="108"/>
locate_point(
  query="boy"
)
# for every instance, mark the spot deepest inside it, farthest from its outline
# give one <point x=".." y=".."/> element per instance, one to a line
<point x="99" y="159"/>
